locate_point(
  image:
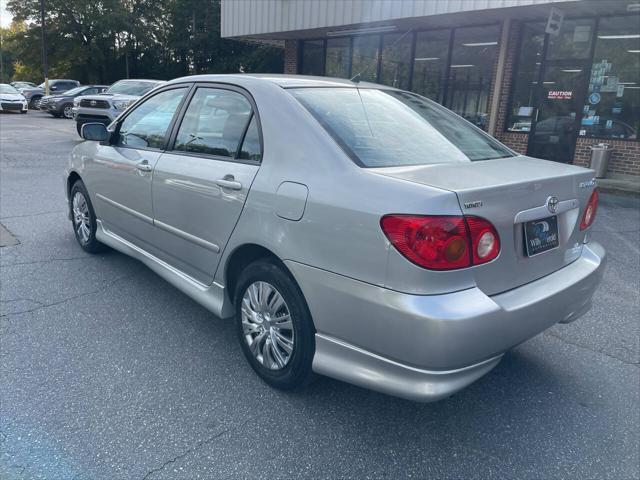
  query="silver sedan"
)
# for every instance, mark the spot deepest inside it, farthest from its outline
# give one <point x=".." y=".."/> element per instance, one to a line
<point x="349" y="229"/>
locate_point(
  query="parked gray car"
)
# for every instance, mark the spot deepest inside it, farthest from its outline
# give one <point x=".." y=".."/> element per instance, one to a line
<point x="106" y="106"/>
<point x="350" y="229"/>
<point x="56" y="86"/>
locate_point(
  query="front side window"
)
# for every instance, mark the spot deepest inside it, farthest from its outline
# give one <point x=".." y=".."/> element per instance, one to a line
<point x="379" y="128"/>
<point x="147" y="125"/>
<point x="214" y="123"/>
<point x="612" y="106"/>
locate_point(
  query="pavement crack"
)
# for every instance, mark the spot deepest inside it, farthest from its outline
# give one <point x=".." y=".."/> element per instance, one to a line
<point x="74" y="297"/>
<point x="194" y="448"/>
<point x="575" y="344"/>
<point x="51" y="260"/>
<point x="33" y="214"/>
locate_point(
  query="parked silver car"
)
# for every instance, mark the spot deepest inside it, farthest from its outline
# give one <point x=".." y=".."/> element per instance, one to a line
<point x="106" y="106"/>
<point x="352" y="230"/>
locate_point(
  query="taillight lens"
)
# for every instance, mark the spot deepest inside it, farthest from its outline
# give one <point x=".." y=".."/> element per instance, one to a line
<point x="485" y="242"/>
<point x="589" y="214"/>
<point x="442" y="242"/>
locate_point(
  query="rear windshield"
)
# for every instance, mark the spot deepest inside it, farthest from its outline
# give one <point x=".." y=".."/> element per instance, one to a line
<point x="131" y="87"/>
<point x="386" y="128"/>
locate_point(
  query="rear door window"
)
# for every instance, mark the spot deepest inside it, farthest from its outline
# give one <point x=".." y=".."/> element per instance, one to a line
<point x="214" y="123"/>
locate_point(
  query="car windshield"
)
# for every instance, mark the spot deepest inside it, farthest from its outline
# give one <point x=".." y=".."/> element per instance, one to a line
<point x="8" y="89"/>
<point x="387" y="128"/>
<point x="131" y="87"/>
<point x="75" y="91"/>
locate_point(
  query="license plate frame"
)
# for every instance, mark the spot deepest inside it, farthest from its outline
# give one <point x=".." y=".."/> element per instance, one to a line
<point x="541" y="235"/>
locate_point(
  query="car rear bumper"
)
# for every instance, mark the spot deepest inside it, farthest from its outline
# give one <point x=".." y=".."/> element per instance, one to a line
<point x="427" y="347"/>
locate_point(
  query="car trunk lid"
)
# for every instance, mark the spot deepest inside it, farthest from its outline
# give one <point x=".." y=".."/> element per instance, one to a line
<point x="510" y="192"/>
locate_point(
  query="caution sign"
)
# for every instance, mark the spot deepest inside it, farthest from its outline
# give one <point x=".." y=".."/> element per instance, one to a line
<point x="560" y="95"/>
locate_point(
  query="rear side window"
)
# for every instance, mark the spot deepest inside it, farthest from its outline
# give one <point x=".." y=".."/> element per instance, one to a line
<point x="386" y="128"/>
<point x="214" y="123"/>
<point x="250" y="149"/>
<point x="146" y="126"/>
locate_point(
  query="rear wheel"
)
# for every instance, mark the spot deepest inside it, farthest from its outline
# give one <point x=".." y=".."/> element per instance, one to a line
<point x="274" y="325"/>
<point x="84" y="219"/>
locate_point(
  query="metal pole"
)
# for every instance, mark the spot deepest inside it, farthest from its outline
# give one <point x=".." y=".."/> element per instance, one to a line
<point x="45" y="66"/>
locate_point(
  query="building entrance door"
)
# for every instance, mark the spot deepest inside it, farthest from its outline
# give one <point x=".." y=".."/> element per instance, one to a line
<point x="559" y="110"/>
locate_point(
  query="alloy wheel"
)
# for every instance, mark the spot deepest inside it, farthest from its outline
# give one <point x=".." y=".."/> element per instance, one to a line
<point x="81" y="218"/>
<point x="267" y="325"/>
<point x="67" y="112"/>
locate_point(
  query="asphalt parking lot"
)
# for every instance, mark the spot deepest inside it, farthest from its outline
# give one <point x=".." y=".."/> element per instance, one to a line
<point x="108" y="372"/>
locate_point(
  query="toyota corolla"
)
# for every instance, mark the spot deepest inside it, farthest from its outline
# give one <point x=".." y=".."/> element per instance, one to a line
<point x="349" y="229"/>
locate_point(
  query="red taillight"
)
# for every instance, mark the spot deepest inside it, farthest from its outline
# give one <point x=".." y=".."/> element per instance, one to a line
<point x="589" y="214"/>
<point x="442" y="242"/>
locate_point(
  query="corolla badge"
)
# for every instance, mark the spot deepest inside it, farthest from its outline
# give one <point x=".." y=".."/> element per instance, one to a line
<point x="552" y="204"/>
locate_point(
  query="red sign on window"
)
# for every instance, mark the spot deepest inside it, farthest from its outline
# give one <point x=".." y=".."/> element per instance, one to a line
<point x="560" y="95"/>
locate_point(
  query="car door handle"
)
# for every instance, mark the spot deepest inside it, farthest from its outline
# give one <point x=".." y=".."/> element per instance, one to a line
<point x="230" y="184"/>
<point x="144" y="167"/>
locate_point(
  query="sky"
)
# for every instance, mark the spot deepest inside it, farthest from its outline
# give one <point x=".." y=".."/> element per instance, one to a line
<point x="5" y="17"/>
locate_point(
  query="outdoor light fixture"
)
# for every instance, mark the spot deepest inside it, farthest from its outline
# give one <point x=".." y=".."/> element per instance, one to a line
<point x="427" y="59"/>
<point x="479" y="44"/>
<point x="633" y="51"/>
<point x="626" y="83"/>
<point x="570" y="70"/>
<point x="462" y="66"/>
<point x="618" y="37"/>
<point x="356" y="31"/>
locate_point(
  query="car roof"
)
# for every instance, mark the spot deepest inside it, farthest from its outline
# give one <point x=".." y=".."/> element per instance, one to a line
<point x="282" y="80"/>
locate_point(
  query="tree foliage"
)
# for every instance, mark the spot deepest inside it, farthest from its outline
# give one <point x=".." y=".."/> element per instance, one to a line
<point x="106" y="40"/>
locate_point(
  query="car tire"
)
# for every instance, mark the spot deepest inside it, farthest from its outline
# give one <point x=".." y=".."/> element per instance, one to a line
<point x="83" y="218"/>
<point x="79" y="128"/>
<point x="34" y="103"/>
<point x="66" y="111"/>
<point x="280" y="351"/>
<point x="24" y="112"/>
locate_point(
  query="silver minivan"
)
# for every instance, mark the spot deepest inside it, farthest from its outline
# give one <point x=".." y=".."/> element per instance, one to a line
<point x="349" y="229"/>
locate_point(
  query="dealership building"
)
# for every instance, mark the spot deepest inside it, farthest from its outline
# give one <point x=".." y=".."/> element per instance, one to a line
<point x="548" y="78"/>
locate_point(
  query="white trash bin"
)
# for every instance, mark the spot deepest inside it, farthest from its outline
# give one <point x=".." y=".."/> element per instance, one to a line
<point x="600" y="155"/>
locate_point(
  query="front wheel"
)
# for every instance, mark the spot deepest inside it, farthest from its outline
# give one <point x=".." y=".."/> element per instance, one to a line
<point x="274" y="325"/>
<point x="35" y="103"/>
<point x="67" y="111"/>
<point x="84" y="219"/>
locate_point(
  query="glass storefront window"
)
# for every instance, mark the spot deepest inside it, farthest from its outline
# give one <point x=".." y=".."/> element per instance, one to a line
<point x="612" y="106"/>
<point x="395" y="60"/>
<point x="313" y="57"/>
<point x="338" y="53"/>
<point x="573" y="42"/>
<point x="473" y="60"/>
<point x="430" y="64"/>
<point x="526" y="79"/>
<point x="365" y="57"/>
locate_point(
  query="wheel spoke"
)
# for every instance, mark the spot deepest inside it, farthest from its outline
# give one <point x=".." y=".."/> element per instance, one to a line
<point x="283" y="342"/>
<point x="275" y="303"/>
<point x="277" y="355"/>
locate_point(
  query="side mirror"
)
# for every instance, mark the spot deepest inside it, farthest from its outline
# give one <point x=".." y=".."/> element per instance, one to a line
<point x="94" y="131"/>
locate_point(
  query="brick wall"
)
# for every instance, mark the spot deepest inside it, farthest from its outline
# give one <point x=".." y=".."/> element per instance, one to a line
<point x="291" y="56"/>
<point x="625" y="159"/>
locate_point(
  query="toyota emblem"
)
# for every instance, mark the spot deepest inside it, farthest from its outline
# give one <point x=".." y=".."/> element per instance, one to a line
<point x="552" y="204"/>
<point x="93" y="103"/>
